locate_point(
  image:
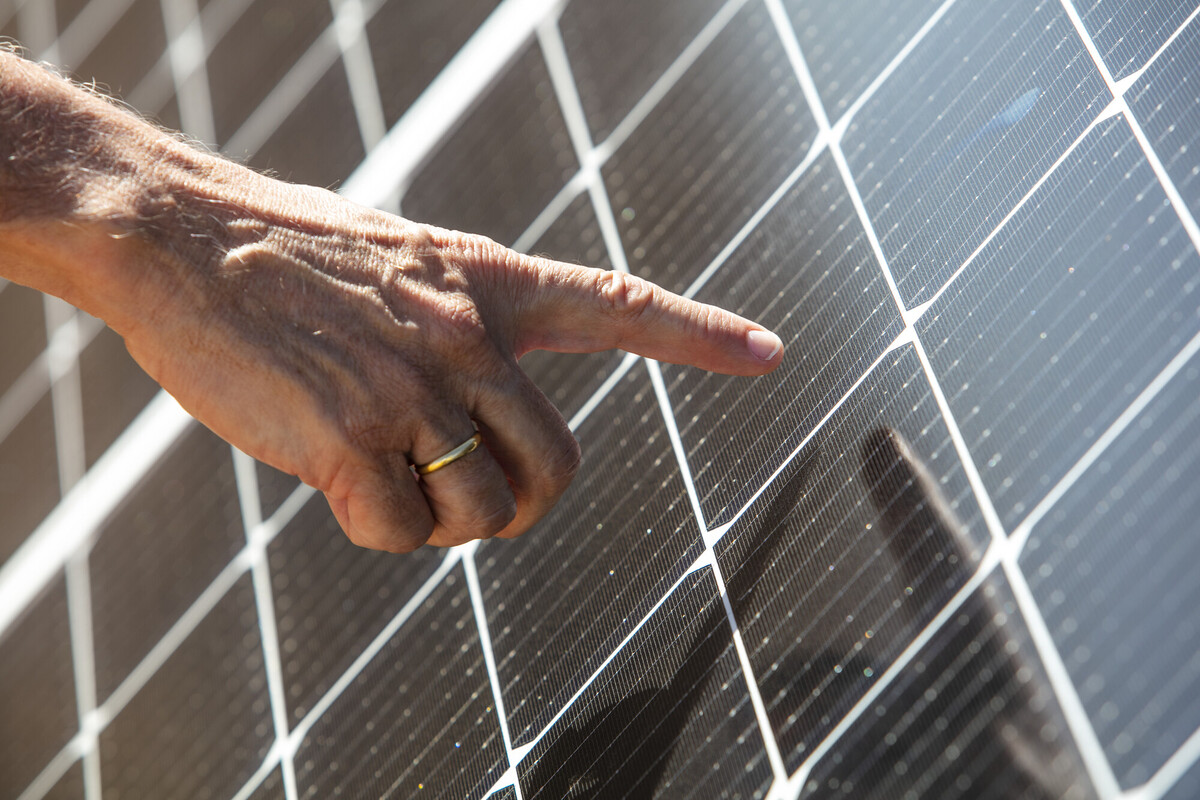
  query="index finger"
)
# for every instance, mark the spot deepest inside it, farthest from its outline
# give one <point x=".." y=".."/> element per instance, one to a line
<point x="575" y="309"/>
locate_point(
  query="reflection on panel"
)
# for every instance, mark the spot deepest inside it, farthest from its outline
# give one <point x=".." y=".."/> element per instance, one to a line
<point x="411" y="41"/>
<point x="669" y="717"/>
<point x="37" y="690"/>
<point x="1188" y="787"/>
<point x="807" y="273"/>
<point x="1127" y="34"/>
<point x="202" y="724"/>
<point x="332" y="599"/>
<point x="971" y="716"/>
<point x="418" y="721"/>
<point x="160" y="550"/>
<point x="849" y="552"/>
<point x="319" y="142"/>
<point x="1114" y="566"/>
<point x="848" y="44"/>
<point x="964" y="128"/>
<point x="1166" y="101"/>
<point x="563" y="596"/>
<point x="1064" y="318"/>
<point x="506" y="160"/>
<point x="570" y="379"/>
<point x="648" y="34"/>
<point x="710" y="152"/>
<point x="264" y="43"/>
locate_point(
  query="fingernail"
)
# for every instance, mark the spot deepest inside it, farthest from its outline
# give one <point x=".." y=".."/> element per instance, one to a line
<point x="763" y="344"/>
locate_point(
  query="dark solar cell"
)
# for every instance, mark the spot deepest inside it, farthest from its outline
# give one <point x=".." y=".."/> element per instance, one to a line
<point x="964" y="128"/>
<point x="115" y="390"/>
<point x="28" y="476"/>
<point x="570" y="379"/>
<point x="847" y="44"/>
<point x="508" y="158"/>
<point x="22" y="330"/>
<point x="128" y="50"/>
<point x="670" y="716"/>
<point x="418" y="721"/>
<point x="69" y="786"/>
<point x="563" y="596"/>
<point x="273" y="487"/>
<point x="161" y="549"/>
<point x="806" y="272"/>
<point x="271" y="788"/>
<point x="972" y="716"/>
<point x="332" y="598"/>
<point x="1166" y="101"/>
<point x="1067" y="314"/>
<point x="319" y="143"/>
<point x="507" y="793"/>
<point x="411" y="42"/>
<point x="256" y="52"/>
<point x="648" y="35"/>
<point x="37" y="690"/>
<point x="1128" y="33"/>
<point x="708" y="155"/>
<point x="202" y="724"/>
<point x="1113" y="566"/>
<point x="850" y="552"/>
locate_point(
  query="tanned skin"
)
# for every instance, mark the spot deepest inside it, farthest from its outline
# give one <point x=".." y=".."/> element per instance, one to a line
<point x="332" y="341"/>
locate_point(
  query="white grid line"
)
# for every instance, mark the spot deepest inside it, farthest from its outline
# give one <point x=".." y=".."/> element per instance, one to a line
<point x="245" y="473"/>
<point x="162" y="419"/>
<point x="187" y="55"/>
<point x="1178" y="765"/>
<point x="489" y="659"/>
<point x="88" y="29"/>
<point x="39" y="27"/>
<point x="349" y="22"/>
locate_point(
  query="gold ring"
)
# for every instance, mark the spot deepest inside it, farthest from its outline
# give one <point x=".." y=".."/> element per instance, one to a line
<point x="449" y="458"/>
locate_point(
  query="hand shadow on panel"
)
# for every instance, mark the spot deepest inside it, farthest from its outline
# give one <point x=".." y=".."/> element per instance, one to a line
<point x="907" y="495"/>
<point x="626" y="746"/>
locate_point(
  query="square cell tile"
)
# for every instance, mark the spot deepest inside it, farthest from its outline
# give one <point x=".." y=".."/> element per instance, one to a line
<point x="162" y="547"/>
<point x="964" y="128"/>
<point x="1079" y="301"/>
<point x="419" y="720"/>
<point x="710" y="153"/>
<point x="670" y="716"/>
<point x="332" y="599"/>
<point x="973" y="715"/>
<point x="806" y="272"/>
<point x="201" y="725"/>
<point x="854" y="547"/>
<point x="562" y="597"/>
<point x="1113" y="567"/>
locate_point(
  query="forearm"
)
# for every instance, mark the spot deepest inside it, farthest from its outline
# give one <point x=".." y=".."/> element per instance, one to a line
<point x="101" y="208"/>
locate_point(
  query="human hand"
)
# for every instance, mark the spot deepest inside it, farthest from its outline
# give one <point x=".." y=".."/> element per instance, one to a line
<point x="332" y="341"/>
<point x="341" y="344"/>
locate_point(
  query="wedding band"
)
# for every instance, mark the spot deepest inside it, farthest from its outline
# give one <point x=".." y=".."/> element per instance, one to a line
<point x="449" y="458"/>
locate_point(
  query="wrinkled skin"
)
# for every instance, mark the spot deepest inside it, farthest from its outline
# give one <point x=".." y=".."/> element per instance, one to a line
<point x="332" y="341"/>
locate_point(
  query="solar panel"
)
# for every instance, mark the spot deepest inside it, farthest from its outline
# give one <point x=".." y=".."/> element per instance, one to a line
<point x="946" y="550"/>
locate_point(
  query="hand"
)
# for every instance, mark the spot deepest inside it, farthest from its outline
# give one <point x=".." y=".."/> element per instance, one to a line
<point x="332" y="341"/>
<point x="341" y="344"/>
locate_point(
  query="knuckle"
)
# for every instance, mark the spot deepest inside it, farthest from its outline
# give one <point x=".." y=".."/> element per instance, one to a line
<point x="562" y="463"/>
<point x="624" y="297"/>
